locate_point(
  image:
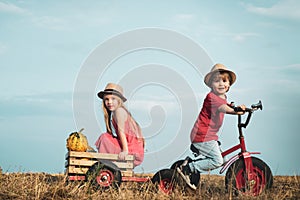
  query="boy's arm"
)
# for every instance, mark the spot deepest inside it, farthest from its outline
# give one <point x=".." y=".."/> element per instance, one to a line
<point x="229" y="110"/>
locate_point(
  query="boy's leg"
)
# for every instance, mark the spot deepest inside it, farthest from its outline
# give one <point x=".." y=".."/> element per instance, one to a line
<point x="213" y="156"/>
<point x="185" y="172"/>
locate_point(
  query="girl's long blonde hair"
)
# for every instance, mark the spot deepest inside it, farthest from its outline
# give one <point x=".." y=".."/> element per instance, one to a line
<point x="133" y="124"/>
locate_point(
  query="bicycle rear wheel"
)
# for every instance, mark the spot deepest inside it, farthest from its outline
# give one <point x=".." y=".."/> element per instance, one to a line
<point x="167" y="180"/>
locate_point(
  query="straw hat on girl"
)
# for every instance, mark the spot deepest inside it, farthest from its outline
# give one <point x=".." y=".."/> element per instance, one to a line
<point x="112" y="88"/>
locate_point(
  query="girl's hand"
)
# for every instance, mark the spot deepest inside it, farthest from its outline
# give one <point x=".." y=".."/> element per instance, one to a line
<point x="122" y="155"/>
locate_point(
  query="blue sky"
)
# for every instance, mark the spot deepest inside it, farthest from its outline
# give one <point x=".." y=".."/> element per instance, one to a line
<point x="44" y="47"/>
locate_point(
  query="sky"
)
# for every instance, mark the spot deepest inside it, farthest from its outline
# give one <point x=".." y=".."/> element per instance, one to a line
<point x="56" y="55"/>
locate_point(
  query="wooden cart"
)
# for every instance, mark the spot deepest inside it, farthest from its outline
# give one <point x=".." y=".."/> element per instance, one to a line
<point x="106" y="169"/>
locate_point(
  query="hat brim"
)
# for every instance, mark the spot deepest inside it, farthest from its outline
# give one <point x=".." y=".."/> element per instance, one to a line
<point x="209" y="75"/>
<point x="112" y="92"/>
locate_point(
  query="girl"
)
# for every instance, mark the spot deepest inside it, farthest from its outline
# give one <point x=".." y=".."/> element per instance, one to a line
<point x="123" y="136"/>
<point x="204" y="136"/>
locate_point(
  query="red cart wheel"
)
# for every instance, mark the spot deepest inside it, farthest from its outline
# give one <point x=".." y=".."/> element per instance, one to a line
<point x="103" y="177"/>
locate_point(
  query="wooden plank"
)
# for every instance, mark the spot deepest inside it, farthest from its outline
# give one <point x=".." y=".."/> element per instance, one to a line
<point x="82" y="170"/>
<point x="97" y="155"/>
<point x="88" y="163"/>
<point x="127" y="173"/>
<point x="143" y="174"/>
<point x="121" y="165"/>
<point x="76" y="170"/>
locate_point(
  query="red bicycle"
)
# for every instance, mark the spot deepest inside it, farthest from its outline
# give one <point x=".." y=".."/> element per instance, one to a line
<point x="246" y="174"/>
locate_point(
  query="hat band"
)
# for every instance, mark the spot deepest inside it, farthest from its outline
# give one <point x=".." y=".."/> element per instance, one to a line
<point x="116" y="92"/>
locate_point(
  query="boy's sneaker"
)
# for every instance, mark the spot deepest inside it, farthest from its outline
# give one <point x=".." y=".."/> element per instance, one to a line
<point x="184" y="172"/>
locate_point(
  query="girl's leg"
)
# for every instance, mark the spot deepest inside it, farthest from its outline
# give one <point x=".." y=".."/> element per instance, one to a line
<point x="213" y="156"/>
<point x="106" y="143"/>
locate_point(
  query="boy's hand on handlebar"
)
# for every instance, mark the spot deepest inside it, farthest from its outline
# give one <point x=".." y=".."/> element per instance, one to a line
<point x="240" y="110"/>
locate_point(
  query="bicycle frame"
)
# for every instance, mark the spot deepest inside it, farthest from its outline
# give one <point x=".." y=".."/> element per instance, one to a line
<point x="243" y="153"/>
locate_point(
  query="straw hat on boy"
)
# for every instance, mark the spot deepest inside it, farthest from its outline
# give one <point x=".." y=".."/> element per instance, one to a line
<point x="112" y="88"/>
<point x="217" y="68"/>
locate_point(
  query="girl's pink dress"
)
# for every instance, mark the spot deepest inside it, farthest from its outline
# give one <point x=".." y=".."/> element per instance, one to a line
<point x="106" y="143"/>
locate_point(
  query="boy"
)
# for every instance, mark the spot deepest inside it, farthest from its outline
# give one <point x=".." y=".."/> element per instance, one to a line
<point x="204" y="136"/>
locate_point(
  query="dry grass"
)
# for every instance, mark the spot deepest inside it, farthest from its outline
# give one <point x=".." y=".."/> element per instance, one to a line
<point x="46" y="186"/>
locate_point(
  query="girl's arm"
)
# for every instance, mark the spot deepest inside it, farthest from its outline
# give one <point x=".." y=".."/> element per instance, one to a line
<point x="229" y="110"/>
<point x="121" y="116"/>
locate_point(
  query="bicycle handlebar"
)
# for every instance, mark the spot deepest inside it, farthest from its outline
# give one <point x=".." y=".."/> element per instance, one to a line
<point x="257" y="106"/>
<point x="254" y="107"/>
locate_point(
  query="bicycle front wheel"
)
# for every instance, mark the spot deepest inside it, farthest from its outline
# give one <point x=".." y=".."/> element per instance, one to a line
<point x="236" y="179"/>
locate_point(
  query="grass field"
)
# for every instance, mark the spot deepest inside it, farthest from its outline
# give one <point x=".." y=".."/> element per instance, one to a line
<point x="42" y="186"/>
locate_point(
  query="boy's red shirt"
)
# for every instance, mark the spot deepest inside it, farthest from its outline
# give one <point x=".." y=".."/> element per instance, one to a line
<point x="209" y="120"/>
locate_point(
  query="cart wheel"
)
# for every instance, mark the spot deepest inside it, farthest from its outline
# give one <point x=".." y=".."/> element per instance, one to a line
<point x="167" y="180"/>
<point x="236" y="178"/>
<point x="103" y="177"/>
<point x="195" y="177"/>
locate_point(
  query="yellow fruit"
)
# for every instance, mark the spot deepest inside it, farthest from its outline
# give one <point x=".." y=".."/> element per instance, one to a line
<point x="77" y="142"/>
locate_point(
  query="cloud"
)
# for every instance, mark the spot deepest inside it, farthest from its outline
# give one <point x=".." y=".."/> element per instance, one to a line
<point x="288" y="70"/>
<point x="291" y="74"/>
<point x="294" y="67"/>
<point x="184" y="17"/>
<point x="73" y="21"/>
<point x="36" y="105"/>
<point x="214" y="30"/>
<point x="285" y="9"/>
<point x="283" y="77"/>
<point x="69" y="20"/>
<point x="235" y="36"/>
<point x="52" y="23"/>
<point x="182" y="21"/>
<point x="165" y="106"/>
<point x="146" y="103"/>
<point x="243" y="36"/>
<point x="11" y="8"/>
